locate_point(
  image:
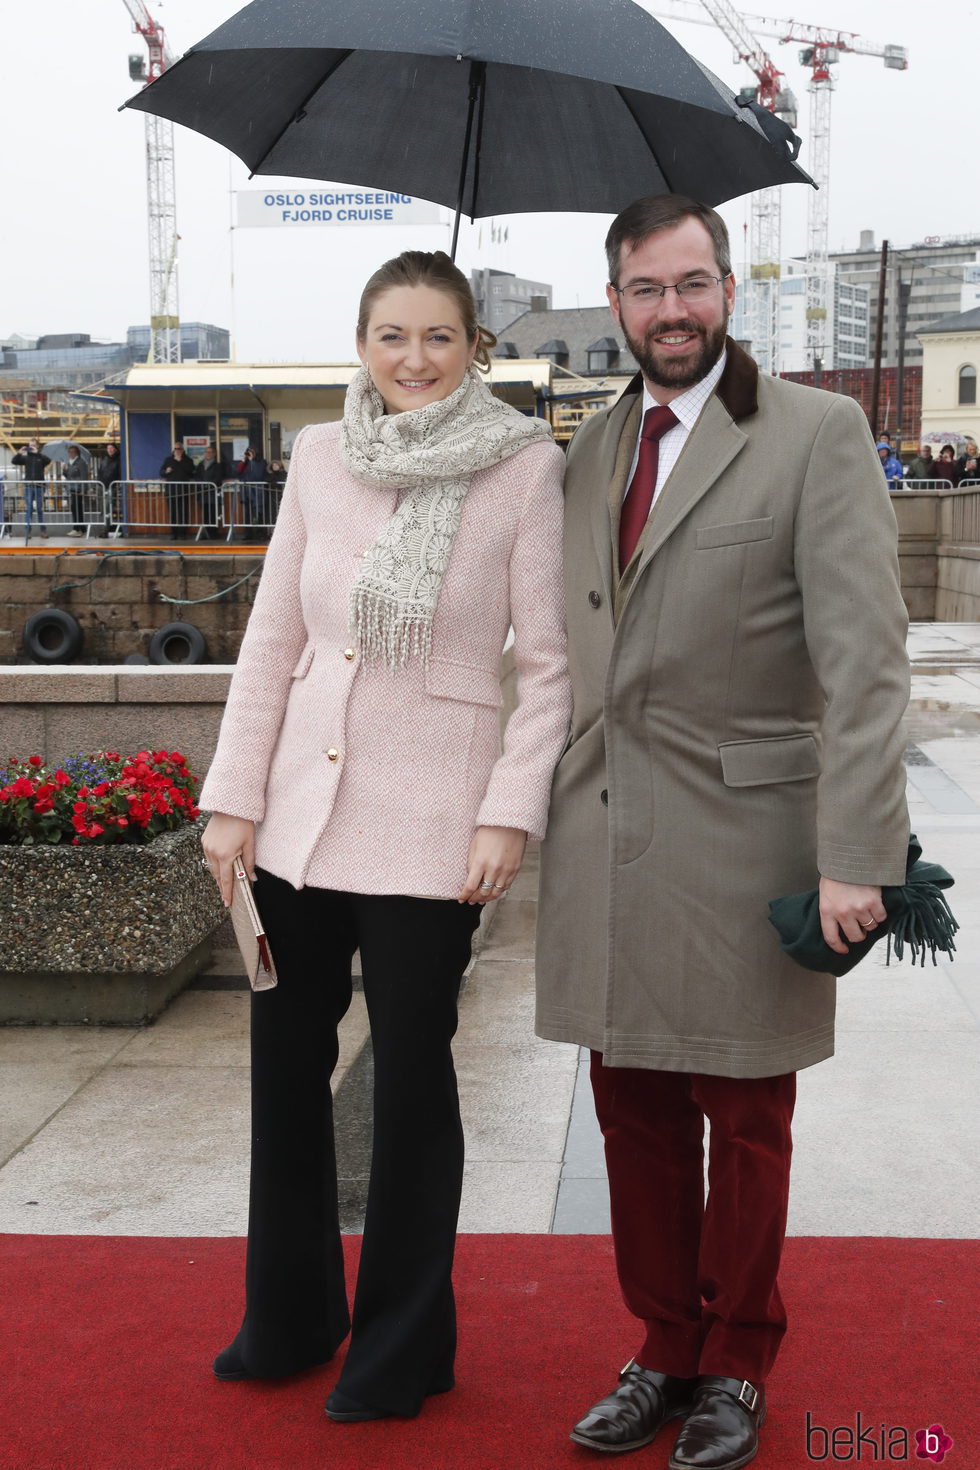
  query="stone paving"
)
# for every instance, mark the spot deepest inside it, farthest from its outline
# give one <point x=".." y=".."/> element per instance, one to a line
<point x="121" y="1131"/>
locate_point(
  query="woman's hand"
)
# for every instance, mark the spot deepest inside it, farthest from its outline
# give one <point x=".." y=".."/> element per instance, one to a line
<point x="224" y="838"/>
<point x="494" y="861"/>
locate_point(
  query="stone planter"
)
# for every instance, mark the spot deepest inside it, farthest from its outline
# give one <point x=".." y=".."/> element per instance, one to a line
<point x="103" y="936"/>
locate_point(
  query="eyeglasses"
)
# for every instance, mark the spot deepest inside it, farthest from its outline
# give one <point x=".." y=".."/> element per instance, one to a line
<point x="695" y="288"/>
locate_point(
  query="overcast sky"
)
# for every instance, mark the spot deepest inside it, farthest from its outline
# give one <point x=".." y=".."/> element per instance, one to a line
<point x="903" y="164"/>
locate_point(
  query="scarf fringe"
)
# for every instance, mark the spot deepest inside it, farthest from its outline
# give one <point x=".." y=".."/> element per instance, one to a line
<point x="924" y="922"/>
<point x="386" y="634"/>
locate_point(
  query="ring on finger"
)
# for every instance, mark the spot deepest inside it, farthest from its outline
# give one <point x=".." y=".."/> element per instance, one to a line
<point x="871" y="924"/>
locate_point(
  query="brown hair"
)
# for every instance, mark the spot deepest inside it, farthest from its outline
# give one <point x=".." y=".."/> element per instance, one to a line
<point x="661" y="212"/>
<point x="434" y="269"/>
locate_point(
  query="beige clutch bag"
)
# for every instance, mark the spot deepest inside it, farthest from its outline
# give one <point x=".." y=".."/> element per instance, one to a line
<point x="250" y="934"/>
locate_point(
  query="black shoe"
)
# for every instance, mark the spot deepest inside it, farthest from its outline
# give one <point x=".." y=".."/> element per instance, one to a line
<point x="722" y="1430"/>
<point x="349" y="1411"/>
<point x="228" y="1366"/>
<point x="636" y="1411"/>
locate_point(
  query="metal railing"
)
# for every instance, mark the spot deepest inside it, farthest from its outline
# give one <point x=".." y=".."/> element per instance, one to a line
<point x="186" y="509"/>
<point x="191" y="509"/>
<point x="921" y="485"/>
<point x="64" y="507"/>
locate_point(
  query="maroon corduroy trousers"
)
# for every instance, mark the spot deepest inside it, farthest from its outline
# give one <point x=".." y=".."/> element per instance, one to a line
<point x="699" y="1274"/>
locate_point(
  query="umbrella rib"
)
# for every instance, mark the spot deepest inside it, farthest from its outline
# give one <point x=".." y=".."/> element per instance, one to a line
<point x="655" y="155"/>
<point x="479" y="145"/>
<point x="300" y="112"/>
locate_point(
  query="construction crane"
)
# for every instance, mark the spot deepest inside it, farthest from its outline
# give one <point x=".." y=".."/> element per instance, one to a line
<point x="765" y="244"/>
<point x="161" y="193"/>
<point x="823" y="47"/>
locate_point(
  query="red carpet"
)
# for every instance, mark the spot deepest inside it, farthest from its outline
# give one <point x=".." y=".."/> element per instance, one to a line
<point x="106" y="1342"/>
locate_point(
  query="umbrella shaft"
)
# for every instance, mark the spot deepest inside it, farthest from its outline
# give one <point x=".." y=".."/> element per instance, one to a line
<point x="477" y="75"/>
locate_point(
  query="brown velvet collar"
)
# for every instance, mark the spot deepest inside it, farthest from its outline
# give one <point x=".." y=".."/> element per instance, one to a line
<point x="737" y="387"/>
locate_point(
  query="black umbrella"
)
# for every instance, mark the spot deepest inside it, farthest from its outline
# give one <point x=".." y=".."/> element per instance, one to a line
<point x="490" y="108"/>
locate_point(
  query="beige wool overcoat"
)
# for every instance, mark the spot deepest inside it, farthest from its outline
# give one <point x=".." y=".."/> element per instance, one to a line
<point x="736" y="729"/>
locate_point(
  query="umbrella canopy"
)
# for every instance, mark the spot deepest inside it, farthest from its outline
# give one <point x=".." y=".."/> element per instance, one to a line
<point x="57" y="449"/>
<point x="495" y="109"/>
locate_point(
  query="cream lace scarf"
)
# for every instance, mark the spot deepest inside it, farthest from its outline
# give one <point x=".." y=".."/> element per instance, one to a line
<point x="430" y="453"/>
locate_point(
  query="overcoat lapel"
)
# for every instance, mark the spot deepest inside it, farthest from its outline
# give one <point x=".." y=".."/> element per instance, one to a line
<point x="613" y="459"/>
<point x="711" y="446"/>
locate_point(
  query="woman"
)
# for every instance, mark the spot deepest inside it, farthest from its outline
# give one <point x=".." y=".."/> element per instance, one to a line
<point x="109" y="472"/>
<point x="946" y="466"/>
<point x="361" y="738"/>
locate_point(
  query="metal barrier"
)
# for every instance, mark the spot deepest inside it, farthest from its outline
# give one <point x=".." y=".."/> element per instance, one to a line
<point x="921" y="485"/>
<point x="61" y="507"/>
<point x="188" y="509"/>
<point x="251" y="506"/>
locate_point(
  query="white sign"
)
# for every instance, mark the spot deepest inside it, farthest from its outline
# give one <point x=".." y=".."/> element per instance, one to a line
<point x="333" y="204"/>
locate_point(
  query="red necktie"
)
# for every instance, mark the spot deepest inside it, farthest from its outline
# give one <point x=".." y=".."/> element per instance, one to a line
<point x="639" y="496"/>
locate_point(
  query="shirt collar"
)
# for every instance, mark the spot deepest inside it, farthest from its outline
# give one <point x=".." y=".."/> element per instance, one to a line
<point x="688" y="405"/>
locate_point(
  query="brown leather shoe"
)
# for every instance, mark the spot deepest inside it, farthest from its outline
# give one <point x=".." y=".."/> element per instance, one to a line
<point x="722" y="1430"/>
<point x="635" y="1412"/>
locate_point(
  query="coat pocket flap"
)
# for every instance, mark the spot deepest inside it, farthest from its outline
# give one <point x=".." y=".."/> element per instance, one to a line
<point x="767" y="762"/>
<point x="734" y="534"/>
<point x="305" y="659"/>
<point x="447" y="679"/>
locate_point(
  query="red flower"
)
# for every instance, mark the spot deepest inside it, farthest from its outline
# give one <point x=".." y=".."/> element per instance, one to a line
<point x="95" y="830"/>
<point x="101" y="789"/>
<point x="35" y="760"/>
<point x="42" y="806"/>
<point x="22" y="787"/>
<point x="61" y="778"/>
<point x="80" y="806"/>
<point x="112" y="755"/>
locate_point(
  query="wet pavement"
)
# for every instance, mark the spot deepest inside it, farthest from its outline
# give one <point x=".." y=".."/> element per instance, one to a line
<point x="123" y="1131"/>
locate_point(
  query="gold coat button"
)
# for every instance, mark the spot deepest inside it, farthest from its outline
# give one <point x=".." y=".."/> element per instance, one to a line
<point x="349" y="654"/>
<point x="333" y="754"/>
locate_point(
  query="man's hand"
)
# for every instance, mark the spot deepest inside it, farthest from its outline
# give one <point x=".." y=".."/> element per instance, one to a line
<point x="849" y="911"/>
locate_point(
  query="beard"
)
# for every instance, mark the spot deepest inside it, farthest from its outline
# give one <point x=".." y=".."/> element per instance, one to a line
<point x="665" y="371"/>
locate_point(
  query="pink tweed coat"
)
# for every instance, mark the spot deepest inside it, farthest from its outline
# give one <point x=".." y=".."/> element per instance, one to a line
<point x="372" y="780"/>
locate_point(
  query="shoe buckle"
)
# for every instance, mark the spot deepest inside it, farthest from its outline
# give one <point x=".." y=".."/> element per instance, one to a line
<point x="748" y="1396"/>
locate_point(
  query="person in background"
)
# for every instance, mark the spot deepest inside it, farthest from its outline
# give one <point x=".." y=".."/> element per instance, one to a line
<point x="108" y="473"/>
<point x="212" y="474"/>
<point x="922" y="467"/>
<point x="890" y="462"/>
<point x="968" y="464"/>
<point x="176" y="470"/>
<point x="947" y="467"/>
<point x="75" y="471"/>
<point x="276" y="481"/>
<point x="33" y="463"/>
<point x="360" y="775"/>
<point x="253" y="473"/>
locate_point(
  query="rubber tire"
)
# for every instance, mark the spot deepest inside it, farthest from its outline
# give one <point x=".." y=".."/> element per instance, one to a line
<point x="53" y="636"/>
<point x="178" y="643"/>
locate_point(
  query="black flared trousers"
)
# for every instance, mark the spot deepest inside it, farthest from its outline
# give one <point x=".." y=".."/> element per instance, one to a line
<point x="403" y="1330"/>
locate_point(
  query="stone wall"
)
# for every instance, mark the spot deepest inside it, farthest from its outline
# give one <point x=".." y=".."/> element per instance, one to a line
<point x="58" y="711"/>
<point x="939" y="553"/>
<point x="117" y="601"/>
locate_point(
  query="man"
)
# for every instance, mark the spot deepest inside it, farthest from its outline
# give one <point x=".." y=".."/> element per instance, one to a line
<point x="76" y="472"/>
<point x="890" y="462"/>
<point x="922" y="467"/>
<point x="737" y="653"/>
<point x="968" y="463"/>
<point x="212" y="475"/>
<point x="175" y="471"/>
<point x="33" y="463"/>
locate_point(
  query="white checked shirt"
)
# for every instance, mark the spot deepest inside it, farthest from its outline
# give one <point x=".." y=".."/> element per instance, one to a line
<point x="687" y="407"/>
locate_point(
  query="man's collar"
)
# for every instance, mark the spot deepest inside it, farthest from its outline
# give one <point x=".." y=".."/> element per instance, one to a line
<point x="687" y="406"/>
<point x="737" y="387"/>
